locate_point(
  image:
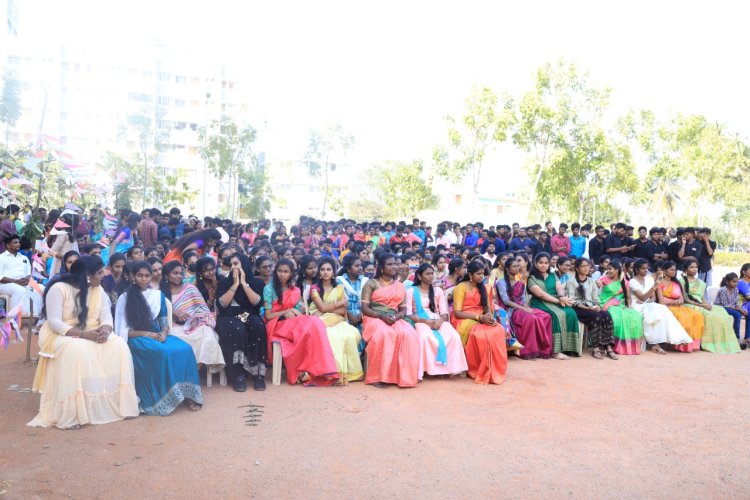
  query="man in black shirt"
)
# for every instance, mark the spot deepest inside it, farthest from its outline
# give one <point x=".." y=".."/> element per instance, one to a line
<point x="707" y="253"/>
<point x="542" y="244"/>
<point x="690" y="247"/>
<point x="615" y="245"/>
<point x="673" y="247"/>
<point x="656" y="250"/>
<point x="596" y="245"/>
<point x="639" y="252"/>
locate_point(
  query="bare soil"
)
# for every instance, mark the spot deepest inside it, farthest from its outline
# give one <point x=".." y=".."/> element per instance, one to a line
<point x="645" y="426"/>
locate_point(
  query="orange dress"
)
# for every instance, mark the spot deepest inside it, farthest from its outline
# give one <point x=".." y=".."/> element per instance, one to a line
<point x="393" y="351"/>
<point x="690" y="319"/>
<point x="485" y="345"/>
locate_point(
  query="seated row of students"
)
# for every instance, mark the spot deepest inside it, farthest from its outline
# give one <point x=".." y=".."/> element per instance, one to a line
<point x="321" y="324"/>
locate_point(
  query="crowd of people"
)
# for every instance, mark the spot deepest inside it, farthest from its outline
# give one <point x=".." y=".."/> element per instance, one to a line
<point x="131" y="314"/>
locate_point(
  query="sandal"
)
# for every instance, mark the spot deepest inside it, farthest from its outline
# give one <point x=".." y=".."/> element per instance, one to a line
<point x="612" y="355"/>
<point x="193" y="406"/>
<point x="657" y="349"/>
<point x="380" y="385"/>
<point x="597" y="354"/>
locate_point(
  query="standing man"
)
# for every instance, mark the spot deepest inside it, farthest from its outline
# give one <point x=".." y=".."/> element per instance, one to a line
<point x="15" y="271"/>
<point x="705" y="267"/>
<point x="559" y="242"/>
<point x="147" y="229"/>
<point x="596" y="244"/>
<point x="640" y="252"/>
<point x="615" y="245"/>
<point x="577" y="242"/>
<point x="656" y="249"/>
<point x="689" y="247"/>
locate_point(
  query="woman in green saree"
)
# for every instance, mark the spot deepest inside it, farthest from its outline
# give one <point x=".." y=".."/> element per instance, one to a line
<point x="547" y="295"/>
<point x="615" y="299"/>
<point x="718" y="335"/>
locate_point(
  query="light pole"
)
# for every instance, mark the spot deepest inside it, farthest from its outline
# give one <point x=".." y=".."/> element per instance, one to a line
<point x="205" y="161"/>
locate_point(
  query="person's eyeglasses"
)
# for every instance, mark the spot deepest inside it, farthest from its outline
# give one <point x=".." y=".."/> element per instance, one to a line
<point x="209" y="270"/>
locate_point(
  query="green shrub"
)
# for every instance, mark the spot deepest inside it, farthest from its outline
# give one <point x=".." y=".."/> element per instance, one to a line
<point x="732" y="260"/>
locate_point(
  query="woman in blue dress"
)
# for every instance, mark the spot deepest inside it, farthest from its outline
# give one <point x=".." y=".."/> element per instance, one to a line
<point x="166" y="373"/>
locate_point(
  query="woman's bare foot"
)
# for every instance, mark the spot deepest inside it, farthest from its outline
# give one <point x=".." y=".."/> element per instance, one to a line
<point x="560" y="355"/>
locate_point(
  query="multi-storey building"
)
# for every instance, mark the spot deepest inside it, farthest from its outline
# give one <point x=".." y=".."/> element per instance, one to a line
<point x="83" y="96"/>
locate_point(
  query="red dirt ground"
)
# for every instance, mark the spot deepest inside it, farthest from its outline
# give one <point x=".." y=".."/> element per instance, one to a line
<point x="644" y="426"/>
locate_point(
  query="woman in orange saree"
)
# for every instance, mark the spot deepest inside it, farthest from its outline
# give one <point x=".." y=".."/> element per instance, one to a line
<point x="305" y="348"/>
<point x="484" y="339"/>
<point x="393" y="345"/>
<point x="669" y="293"/>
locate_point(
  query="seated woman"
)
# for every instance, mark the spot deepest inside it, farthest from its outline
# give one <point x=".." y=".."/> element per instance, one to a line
<point x="166" y="373"/>
<point x="189" y="262"/>
<point x="659" y="325"/>
<point x="328" y="301"/>
<point x="547" y="295"/>
<point x="743" y="287"/>
<point x="207" y="281"/>
<point x="728" y="297"/>
<point x="442" y="350"/>
<point x="241" y="329"/>
<point x="718" y="335"/>
<point x="156" y="271"/>
<point x="615" y="299"/>
<point x="669" y="293"/>
<point x="85" y="374"/>
<point x="307" y="353"/>
<point x="352" y="280"/>
<point x="563" y="269"/>
<point x="483" y="337"/>
<point x="113" y="282"/>
<point x="440" y="264"/>
<point x="585" y="294"/>
<point x="393" y="346"/>
<point x="192" y="322"/>
<point x="70" y="257"/>
<point x="532" y="327"/>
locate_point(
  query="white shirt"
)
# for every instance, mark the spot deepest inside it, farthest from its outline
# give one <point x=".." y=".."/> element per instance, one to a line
<point x="14" y="266"/>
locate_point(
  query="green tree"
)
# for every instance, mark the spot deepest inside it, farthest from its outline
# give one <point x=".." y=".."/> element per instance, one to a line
<point x="560" y="123"/>
<point x="10" y="102"/>
<point x="401" y="190"/>
<point x="484" y="125"/>
<point x="332" y="140"/>
<point x="227" y="150"/>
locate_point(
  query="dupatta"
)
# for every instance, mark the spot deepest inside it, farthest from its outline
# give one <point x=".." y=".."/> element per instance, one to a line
<point x="442" y="352"/>
<point x="610" y="294"/>
<point x="289" y="300"/>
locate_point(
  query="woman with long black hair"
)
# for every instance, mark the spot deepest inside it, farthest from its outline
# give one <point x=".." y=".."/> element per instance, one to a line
<point x="85" y="374"/>
<point x="242" y="332"/>
<point x="166" y="372"/>
<point x="474" y="319"/>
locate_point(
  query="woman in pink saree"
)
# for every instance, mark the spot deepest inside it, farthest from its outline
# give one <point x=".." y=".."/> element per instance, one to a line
<point x="393" y="346"/>
<point x="307" y="354"/>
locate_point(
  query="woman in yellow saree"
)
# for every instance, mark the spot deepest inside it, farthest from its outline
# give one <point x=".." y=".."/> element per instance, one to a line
<point x="329" y="302"/>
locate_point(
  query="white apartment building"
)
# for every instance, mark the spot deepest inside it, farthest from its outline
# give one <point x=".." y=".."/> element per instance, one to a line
<point x="82" y="96"/>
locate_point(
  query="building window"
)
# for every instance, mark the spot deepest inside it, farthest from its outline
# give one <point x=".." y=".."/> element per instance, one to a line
<point x="499" y="209"/>
<point x="195" y="103"/>
<point x="192" y="150"/>
<point x="180" y="125"/>
<point x="163" y="77"/>
<point x="180" y="79"/>
<point x="458" y="199"/>
<point x="162" y="101"/>
<point x="194" y="127"/>
<point x="179" y="103"/>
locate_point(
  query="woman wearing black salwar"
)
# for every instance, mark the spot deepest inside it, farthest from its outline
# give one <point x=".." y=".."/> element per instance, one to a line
<point x="242" y="332"/>
<point x="585" y="293"/>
